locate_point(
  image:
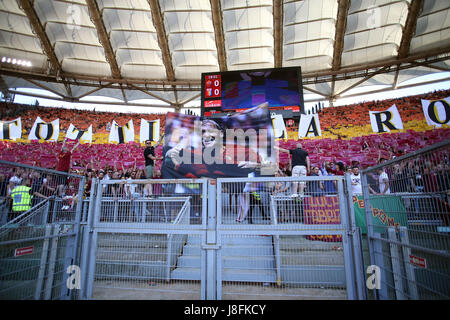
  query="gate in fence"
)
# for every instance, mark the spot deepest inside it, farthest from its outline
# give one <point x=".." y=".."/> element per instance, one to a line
<point x="221" y="239"/>
<point x="39" y="243"/>
<point x="406" y="204"/>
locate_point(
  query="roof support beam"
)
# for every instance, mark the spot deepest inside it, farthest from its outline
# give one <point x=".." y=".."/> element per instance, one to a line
<point x="395" y="82"/>
<point x="361" y="81"/>
<point x="45" y="88"/>
<point x="216" y="11"/>
<point x="89" y="101"/>
<point x="278" y="33"/>
<point x="315" y="91"/>
<point x="429" y="57"/>
<point x="94" y="90"/>
<point x="410" y="27"/>
<point x="341" y="25"/>
<point x="158" y="22"/>
<point x="151" y="94"/>
<point x="38" y="29"/>
<point x="191" y="99"/>
<point x="97" y="19"/>
<point x="378" y="64"/>
<point x="123" y="94"/>
<point x="431" y="66"/>
<point x="4" y="89"/>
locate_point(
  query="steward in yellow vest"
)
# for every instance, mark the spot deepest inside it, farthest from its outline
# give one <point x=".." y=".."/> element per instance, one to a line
<point x="21" y="198"/>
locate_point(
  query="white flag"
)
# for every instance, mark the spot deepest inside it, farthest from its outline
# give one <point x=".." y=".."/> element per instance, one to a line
<point x="436" y="112"/>
<point x="149" y="130"/>
<point x="41" y="130"/>
<point x="309" y="126"/>
<point x="279" y="128"/>
<point x="83" y="135"/>
<point x="120" y="134"/>
<point x="11" y="130"/>
<point x="386" y="121"/>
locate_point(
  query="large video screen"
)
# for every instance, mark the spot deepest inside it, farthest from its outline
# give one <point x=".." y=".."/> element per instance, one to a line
<point x="236" y="91"/>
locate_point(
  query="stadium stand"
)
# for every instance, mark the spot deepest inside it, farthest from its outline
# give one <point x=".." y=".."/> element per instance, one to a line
<point x="346" y="135"/>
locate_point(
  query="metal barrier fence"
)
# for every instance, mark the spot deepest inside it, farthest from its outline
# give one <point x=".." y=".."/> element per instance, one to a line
<point x="39" y="243"/>
<point x="406" y="203"/>
<point x="135" y="236"/>
<point x="273" y="245"/>
<point x="224" y="238"/>
<point x="185" y="239"/>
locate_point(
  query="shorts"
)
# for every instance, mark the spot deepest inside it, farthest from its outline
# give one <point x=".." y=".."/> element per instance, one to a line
<point x="299" y="171"/>
<point x="149" y="171"/>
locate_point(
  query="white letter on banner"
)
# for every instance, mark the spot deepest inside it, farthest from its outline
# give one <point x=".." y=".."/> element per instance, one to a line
<point x="385" y="121"/>
<point x="309" y="124"/>
<point x="436" y="112"/>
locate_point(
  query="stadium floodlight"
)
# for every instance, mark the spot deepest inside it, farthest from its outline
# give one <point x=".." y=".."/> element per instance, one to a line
<point x="20" y="62"/>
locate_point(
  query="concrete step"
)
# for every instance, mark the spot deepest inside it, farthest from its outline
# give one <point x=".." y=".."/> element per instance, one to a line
<point x="238" y="262"/>
<point x="228" y="274"/>
<point x="301" y="243"/>
<point x="227" y="240"/>
<point x="243" y="259"/>
<point x="136" y="254"/>
<point x="252" y="259"/>
<point x="311" y="258"/>
<point x="249" y="275"/>
<point x="233" y="250"/>
<point x="133" y="241"/>
<point x="130" y="270"/>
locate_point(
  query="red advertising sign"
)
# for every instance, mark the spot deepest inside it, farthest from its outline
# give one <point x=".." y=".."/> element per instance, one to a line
<point x="23" y="251"/>
<point x="418" y="261"/>
<point x="213" y="103"/>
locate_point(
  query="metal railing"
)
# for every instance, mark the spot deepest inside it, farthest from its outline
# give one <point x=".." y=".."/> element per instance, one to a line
<point x="207" y="239"/>
<point x="406" y="205"/>
<point x="294" y="245"/>
<point x="175" y="242"/>
<point x="38" y="245"/>
<point x="134" y="240"/>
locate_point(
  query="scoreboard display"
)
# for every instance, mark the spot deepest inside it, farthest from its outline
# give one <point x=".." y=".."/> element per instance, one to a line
<point x="213" y="85"/>
<point x="236" y="91"/>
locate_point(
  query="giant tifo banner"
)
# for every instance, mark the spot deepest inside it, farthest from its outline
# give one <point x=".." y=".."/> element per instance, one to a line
<point x="240" y="145"/>
<point x="436" y="114"/>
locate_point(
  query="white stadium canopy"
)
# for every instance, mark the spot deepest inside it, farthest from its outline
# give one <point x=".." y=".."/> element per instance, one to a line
<point x="150" y="49"/>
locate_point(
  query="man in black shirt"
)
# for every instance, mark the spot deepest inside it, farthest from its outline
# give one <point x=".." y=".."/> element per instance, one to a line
<point x="149" y="156"/>
<point x="300" y="165"/>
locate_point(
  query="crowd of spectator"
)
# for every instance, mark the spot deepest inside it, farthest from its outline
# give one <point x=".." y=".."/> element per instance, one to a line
<point x="328" y="157"/>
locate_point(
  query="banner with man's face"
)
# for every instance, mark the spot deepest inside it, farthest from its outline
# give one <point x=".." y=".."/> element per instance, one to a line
<point x="231" y="146"/>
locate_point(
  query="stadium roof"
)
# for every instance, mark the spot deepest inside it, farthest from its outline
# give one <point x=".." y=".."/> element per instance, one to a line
<point x="150" y="49"/>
